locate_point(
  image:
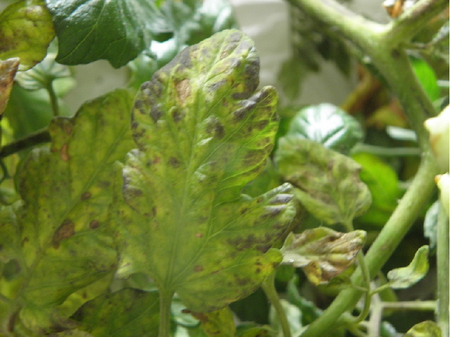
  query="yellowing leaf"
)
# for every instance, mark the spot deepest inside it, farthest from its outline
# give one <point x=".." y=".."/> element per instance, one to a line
<point x="203" y="134"/>
<point x="61" y="243"/>
<point x="328" y="183"/>
<point x="218" y="323"/>
<point x="424" y="329"/>
<point x="402" y="278"/>
<point x="8" y="70"/>
<point x="321" y="252"/>
<point x="26" y="29"/>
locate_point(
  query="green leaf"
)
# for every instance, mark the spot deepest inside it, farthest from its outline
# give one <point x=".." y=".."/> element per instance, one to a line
<point x="293" y="315"/>
<point x="402" y="278"/>
<point x="424" y="329"/>
<point x="309" y="310"/>
<point x="218" y="323"/>
<point x="8" y="71"/>
<point x="328" y="125"/>
<point x="321" y="252"/>
<point x="427" y="77"/>
<point x="125" y="313"/>
<point x="328" y="183"/>
<point x="26" y="30"/>
<point x="383" y="184"/>
<point x="192" y="22"/>
<point x="430" y="224"/>
<point x="203" y="135"/>
<point x="62" y="222"/>
<point x="116" y="30"/>
<point x="249" y="331"/>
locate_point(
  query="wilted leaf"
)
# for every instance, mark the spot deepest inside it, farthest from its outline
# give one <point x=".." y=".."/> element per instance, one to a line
<point x="328" y="183"/>
<point x="26" y="30"/>
<point x="383" y="184"/>
<point x="218" y="323"/>
<point x="116" y="30"/>
<point x="202" y="135"/>
<point x="328" y="125"/>
<point x="402" y="278"/>
<point x="125" y="313"/>
<point x="321" y="252"/>
<point x="8" y="70"/>
<point x="424" y="329"/>
<point x="66" y="193"/>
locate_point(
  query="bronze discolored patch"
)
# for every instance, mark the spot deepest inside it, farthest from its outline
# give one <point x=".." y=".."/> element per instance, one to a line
<point x="66" y="230"/>
<point x="183" y="90"/>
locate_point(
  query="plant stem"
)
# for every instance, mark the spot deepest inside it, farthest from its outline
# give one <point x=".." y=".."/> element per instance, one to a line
<point x="53" y="98"/>
<point x="386" y="151"/>
<point x="38" y="137"/>
<point x="442" y="256"/>
<point x="390" y="236"/>
<point x="268" y="286"/>
<point x="165" y="302"/>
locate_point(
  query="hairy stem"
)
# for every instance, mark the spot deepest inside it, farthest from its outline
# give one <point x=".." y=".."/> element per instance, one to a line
<point x="442" y="255"/>
<point x="268" y="286"/>
<point x="38" y="137"/>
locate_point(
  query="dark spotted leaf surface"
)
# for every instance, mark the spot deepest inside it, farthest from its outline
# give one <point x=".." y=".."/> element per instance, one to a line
<point x="321" y="252"/>
<point x="26" y="29"/>
<point x="218" y="323"/>
<point x="61" y="243"/>
<point x="402" y="278"/>
<point x="125" y="313"/>
<point x="8" y="70"/>
<point x="203" y="134"/>
<point x="115" y="30"/>
<point x="327" y="182"/>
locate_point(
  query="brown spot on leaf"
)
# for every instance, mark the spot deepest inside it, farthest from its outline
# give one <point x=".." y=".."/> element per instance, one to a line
<point x="66" y="230"/>
<point x="64" y="153"/>
<point x="86" y="195"/>
<point x="174" y="162"/>
<point x="183" y="90"/>
<point x="198" y="235"/>
<point x="94" y="224"/>
<point x="198" y="268"/>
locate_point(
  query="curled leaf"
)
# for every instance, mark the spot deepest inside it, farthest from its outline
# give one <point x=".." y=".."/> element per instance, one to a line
<point x="321" y="252"/>
<point x="328" y="183"/>
<point x="8" y="70"/>
<point x="401" y="278"/>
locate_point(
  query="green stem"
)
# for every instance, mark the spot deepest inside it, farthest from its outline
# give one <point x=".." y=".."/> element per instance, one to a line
<point x="53" y="98"/>
<point x="38" y="137"/>
<point x="368" y="295"/>
<point x="386" y="151"/>
<point x="165" y="302"/>
<point x="268" y="286"/>
<point x="442" y="256"/>
<point x="390" y="236"/>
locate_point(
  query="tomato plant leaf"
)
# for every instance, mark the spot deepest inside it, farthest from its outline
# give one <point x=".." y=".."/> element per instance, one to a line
<point x="192" y="22"/>
<point x="116" y="30"/>
<point x="328" y="183"/>
<point x="430" y="224"/>
<point x="328" y="125"/>
<point x="321" y="252"/>
<point x="8" y="70"/>
<point x="203" y="135"/>
<point x="26" y="30"/>
<point x="124" y="313"/>
<point x="424" y="329"/>
<point x="383" y="184"/>
<point x="218" y="323"/>
<point x="401" y="278"/>
<point x="66" y="193"/>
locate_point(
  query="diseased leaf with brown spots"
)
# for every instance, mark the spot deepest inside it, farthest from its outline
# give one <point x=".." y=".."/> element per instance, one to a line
<point x="327" y="182"/>
<point x="60" y="227"/>
<point x="8" y="70"/>
<point x="321" y="252"/>
<point x="202" y="135"/>
<point x="26" y="30"/>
